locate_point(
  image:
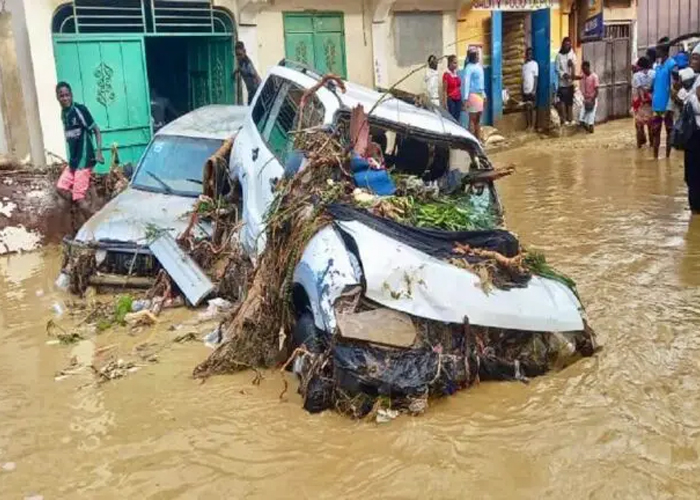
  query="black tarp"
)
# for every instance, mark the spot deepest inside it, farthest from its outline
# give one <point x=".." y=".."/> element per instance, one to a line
<point x="435" y="242"/>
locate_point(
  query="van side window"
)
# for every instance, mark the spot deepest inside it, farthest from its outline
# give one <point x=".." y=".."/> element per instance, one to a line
<point x="263" y="105"/>
<point x="281" y="139"/>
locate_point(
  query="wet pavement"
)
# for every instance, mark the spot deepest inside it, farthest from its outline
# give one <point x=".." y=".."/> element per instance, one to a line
<point x="624" y="424"/>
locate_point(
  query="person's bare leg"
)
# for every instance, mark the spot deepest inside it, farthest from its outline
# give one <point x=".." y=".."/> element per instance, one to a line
<point x="64" y="197"/>
<point x="655" y="135"/>
<point x="569" y="113"/>
<point x="477" y="125"/>
<point x="560" y="112"/>
<point x="84" y="208"/>
<point x="668" y="124"/>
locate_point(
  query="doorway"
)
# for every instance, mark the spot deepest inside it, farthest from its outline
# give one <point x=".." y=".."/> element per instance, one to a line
<point x="610" y="58"/>
<point x="113" y="57"/>
<point x="190" y="72"/>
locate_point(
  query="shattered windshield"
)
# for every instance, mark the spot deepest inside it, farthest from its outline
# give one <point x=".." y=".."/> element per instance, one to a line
<point x="437" y="186"/>
<point x="173" y="165"/>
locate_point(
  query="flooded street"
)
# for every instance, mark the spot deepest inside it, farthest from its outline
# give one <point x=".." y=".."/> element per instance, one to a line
<point x="623" y="424"/>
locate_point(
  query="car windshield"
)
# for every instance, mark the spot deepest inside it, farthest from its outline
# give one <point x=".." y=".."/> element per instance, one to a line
<point x="174" y="165"/>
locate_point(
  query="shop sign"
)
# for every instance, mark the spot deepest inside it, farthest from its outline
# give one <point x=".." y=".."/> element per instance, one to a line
<point x="514" y="4"/>
<point x="594" y="28"/>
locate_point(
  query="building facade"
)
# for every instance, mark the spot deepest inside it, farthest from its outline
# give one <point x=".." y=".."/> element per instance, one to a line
<point x="660" y="18"/>
<point x="115" y="53"/>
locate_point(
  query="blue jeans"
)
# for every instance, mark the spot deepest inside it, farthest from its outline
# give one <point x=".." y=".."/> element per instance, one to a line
<point x="455" y="108"/>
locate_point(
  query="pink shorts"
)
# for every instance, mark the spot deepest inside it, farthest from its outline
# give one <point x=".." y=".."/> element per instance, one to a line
<point x="475" y="103"/>
<point x="77" y="182"/>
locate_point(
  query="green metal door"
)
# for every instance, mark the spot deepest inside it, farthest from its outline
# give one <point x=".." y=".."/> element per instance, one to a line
<point x="317" y="40"/>
<point x="210" y="69"/>
<point x="108" y="75"/>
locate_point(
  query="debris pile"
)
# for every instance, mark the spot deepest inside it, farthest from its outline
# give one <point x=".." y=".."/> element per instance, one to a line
<point x="377" y="362"/>
<point x="362" y="378"/>
<point x="297" y="213"/>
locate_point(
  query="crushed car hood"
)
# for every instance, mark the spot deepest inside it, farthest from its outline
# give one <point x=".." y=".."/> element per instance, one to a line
<point x="129" y="216"/>
<point x="403" y="278"/>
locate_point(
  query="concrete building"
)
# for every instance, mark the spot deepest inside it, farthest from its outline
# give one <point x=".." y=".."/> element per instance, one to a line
<point x="115" y="52"/>
<point x="611" y="47"/>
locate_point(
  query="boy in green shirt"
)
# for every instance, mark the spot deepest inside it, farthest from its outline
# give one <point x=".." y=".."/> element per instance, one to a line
<point x="78" y="127"/>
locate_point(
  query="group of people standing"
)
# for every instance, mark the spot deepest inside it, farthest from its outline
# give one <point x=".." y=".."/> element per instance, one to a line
<point x="565" y="66"/>
<point x="460" y="92"/>
<point x="663" y="88"/>
<point x="466" y="90"/>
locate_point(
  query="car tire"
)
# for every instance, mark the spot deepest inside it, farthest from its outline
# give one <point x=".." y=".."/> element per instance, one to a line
<point x="305" y="333"/>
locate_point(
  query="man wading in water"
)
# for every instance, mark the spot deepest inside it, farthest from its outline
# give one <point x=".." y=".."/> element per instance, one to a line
<point x="78" y="127"/>
<point x="661" y="102"/>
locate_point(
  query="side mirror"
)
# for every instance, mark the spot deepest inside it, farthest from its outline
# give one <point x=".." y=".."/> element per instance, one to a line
<point x="128" y="170"/>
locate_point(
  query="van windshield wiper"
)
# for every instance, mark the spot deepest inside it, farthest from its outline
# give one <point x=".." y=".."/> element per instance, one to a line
<point x="160" y="181"/>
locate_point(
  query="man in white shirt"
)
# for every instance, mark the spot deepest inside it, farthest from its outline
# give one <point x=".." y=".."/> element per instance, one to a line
<point x="531" y="72"/>
<point x="432" y="81"/>
<point x="565" y="66"/>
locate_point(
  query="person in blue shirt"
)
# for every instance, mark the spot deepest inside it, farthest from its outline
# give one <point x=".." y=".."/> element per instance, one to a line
<point x="474" y="92"/>
<point x="661" y="102"/>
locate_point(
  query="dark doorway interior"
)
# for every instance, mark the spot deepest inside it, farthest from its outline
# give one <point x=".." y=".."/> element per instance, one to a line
<point x="191" y="71"/>
<point x="166" y="59"/>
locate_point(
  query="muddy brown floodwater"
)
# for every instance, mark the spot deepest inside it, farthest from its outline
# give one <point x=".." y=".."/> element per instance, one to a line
<point x="624" y="424"/>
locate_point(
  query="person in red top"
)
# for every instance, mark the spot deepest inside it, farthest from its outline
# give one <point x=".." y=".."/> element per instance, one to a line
<point x="452" y="89"/>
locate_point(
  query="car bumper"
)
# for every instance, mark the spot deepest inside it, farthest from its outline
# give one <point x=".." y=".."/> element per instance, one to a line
<point x="117" y="258"/>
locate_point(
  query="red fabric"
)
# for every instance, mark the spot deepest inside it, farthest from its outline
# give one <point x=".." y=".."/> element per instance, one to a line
<point x="453" y="85"/>
<point x="589" y="84"/>
<point x="638" y="102"/>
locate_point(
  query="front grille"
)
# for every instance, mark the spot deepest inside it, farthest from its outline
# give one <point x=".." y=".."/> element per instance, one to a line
<point x="135" y="264"/>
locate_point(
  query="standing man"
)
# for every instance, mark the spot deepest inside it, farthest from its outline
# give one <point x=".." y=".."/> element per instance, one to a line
<point x="661" y="102"/>
<point x="162" y="110"/>
<point x="589" y="88"/>
<point x="432" y="81"/>
<point x="565" y="66"/>
<point x="531" y="72"/>
<point x="78" y="127"/>
<point x="247" y="71"/>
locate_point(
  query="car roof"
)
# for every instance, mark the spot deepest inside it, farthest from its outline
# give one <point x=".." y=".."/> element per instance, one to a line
<point x="390" y="108"/>
<point x="216" y="121"/>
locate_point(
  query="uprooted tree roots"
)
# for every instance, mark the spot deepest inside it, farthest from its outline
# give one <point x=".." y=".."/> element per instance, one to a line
<point x="80" y="264"/>
<point x="251" y="336"/>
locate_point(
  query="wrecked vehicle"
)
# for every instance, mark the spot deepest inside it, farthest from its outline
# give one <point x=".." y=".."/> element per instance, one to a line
<point x="394" y="285"/>
<point x="159" y="198"/>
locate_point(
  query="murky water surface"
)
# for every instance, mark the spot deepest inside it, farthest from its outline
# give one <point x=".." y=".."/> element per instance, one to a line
<point x="625" y="424"/>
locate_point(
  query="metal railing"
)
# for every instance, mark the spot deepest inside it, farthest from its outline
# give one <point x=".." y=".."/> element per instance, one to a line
<point x="142" y="16"/>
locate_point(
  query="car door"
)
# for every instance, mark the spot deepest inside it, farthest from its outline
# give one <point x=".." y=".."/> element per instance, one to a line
<point x="264" y="148"/>
<point x="250" y="154"/>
